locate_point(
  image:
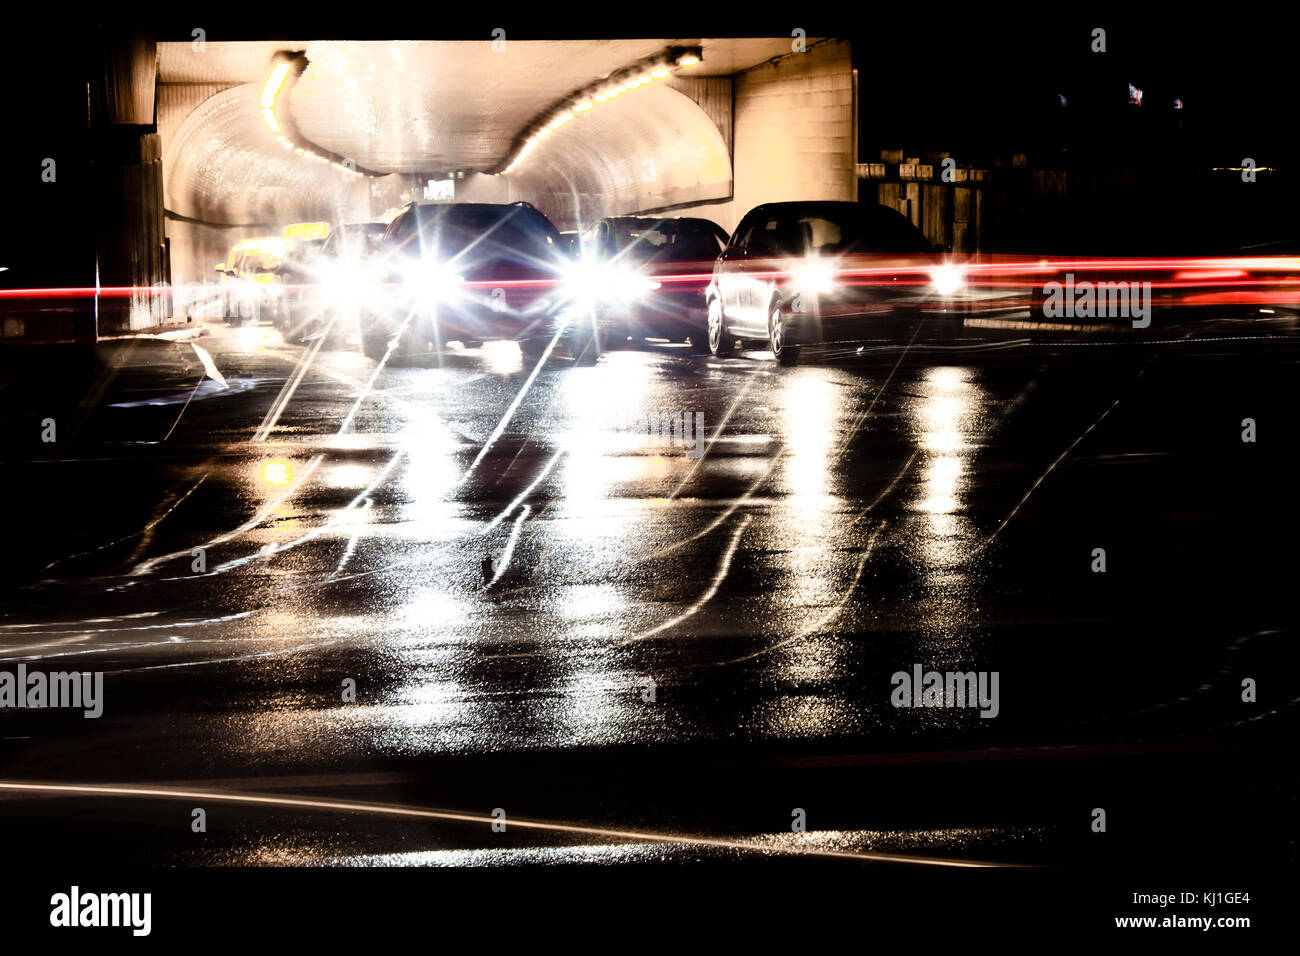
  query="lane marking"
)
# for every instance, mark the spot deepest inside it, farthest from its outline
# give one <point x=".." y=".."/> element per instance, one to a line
<point x="453" y="816"/>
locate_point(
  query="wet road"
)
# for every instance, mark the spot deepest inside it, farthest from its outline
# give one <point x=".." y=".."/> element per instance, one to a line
<point x="677" y="648"/>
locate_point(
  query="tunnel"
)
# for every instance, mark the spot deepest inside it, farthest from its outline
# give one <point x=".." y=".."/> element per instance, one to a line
<point x="685" y="139"/>
<point x="198" y="162"/>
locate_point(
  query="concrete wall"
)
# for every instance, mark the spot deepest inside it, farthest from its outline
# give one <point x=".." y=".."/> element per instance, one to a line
<point x="794" y="129"/>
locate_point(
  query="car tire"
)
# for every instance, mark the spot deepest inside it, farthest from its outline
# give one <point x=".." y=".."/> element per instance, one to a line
<point x="375" y="346"/>
<point x="585" y="343"/>
<point x="783" y="351"/>
<point x="721" y="342"/>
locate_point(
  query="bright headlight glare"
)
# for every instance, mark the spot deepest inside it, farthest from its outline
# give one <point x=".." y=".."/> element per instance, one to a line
<point x="431" y="283"/>
<point x="348" y="285"/>
<point x="589" y="281"/>
<point x="946" y="280"/>
<point x="814" y="277"/>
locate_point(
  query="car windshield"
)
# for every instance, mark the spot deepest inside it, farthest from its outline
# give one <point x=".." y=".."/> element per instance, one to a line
<point x="475" y="235"/>
<point x="258" y="262"/>
<point x="305" y="249"/>
<point x="826" y="229"/>
<point x="674" y="239"/>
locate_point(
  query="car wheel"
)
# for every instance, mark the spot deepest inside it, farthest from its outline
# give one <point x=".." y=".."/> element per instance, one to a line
<point x="721" y="342"/>
<point x="783" y="351"/>
<point x="533" y="349"/>
<point x="375" y="346"/>
<point x="586" y="343"/>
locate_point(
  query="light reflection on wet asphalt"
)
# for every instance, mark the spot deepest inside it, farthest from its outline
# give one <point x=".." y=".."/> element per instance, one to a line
<point x="839" y="528"/>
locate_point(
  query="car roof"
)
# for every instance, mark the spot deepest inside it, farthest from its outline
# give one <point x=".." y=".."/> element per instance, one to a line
<point x="472" y="205"/>
<point x="657" y="219"/>
<point x="819" y="204"/>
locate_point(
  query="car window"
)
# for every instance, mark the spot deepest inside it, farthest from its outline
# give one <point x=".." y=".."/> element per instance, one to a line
<point x="770" y="237"/>
<point x="478" y="236"/>
<point x="820" y="234"/>
<point x="258" y="263"/>
<point x="670" y="239"/>
<point x="836" y="229"/>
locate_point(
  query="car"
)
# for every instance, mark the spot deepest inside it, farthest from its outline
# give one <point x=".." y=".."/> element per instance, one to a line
<point x="296" y="275"/>
<point x="347" y="259"/>
<point x="646" y="277"/>
<point x="571" y="243"/>
<point x="468" y="272"/>
<point x="799" y="273"/>
<point x="323" y="278"/>
<point x="250" y="280"/>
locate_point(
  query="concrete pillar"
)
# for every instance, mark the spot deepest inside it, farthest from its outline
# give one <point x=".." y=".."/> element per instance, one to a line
<point x="130" y="249"/>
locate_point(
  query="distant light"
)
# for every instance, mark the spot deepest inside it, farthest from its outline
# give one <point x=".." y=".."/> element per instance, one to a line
<point x="814" y="276"/>
<point x="946" y="279"/>
<point x="268" y="117"/>
<point x="688" y="59"/>
<point x="659" y="72"/>
<point x="1134" y="95"/>
<point x="582" y="107"/>
<point x="276" y="472"/>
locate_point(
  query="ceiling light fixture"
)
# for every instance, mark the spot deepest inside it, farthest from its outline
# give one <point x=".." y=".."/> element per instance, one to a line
<point x="585" y="100"/>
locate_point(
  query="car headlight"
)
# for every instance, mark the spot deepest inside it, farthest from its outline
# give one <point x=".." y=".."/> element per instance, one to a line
<point x="814" y="277"/>
<point x="432" y="284"/>
<point x="946" y="279"/>
<point x="349" y="285"/>
<point x="594" y="282"/>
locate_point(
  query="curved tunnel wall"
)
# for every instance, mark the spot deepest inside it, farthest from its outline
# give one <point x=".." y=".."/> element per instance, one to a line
<point x="645" y="151"/>
<point x="225" y="170"/>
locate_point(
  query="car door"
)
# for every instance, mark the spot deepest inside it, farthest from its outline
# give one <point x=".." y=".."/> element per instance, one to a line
<point x="726" y="271"/>
<point x="752" y="274"/>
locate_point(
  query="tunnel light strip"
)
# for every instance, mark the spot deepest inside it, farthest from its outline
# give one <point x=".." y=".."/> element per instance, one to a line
<point x="275" y="83"/>
<point x="277" y="80"/>
<point x="584" y="101"/>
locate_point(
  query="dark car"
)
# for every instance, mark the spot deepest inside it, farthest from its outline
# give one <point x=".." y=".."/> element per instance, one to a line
<point x="646" y="277"/>
<point x="325" y="279"/>
<point x="467" y="272"/>
<point x="571" y="243"/>
<point x="797" y="273"/>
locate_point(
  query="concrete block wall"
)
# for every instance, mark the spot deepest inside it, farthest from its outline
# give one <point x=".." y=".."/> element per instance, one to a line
<point x="794" y="129"/>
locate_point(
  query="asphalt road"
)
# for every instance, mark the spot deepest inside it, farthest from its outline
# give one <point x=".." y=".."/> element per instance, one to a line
<point x="676" y="649"/>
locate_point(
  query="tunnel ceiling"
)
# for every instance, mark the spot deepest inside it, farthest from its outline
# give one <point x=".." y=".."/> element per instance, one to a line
<point x="428" y="106"/>
<point x="433" y="107"/>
